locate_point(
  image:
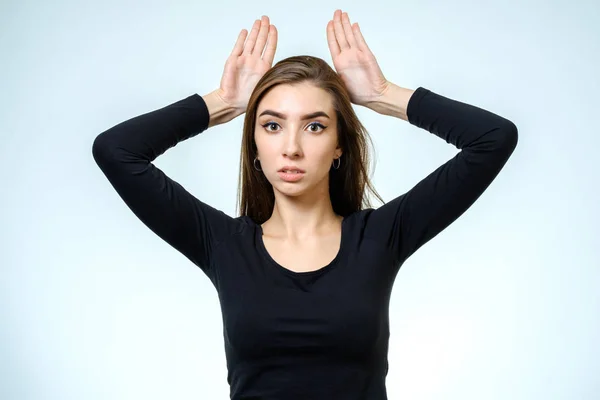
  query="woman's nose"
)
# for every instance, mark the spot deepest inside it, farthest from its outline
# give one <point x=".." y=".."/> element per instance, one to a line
<point x="292" y="144"/>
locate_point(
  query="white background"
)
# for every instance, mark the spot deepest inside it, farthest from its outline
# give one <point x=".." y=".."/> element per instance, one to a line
<point x="503" y="304"/>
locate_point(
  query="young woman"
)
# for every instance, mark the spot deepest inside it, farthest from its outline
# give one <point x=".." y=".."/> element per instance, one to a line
<point x="304" y="274"/>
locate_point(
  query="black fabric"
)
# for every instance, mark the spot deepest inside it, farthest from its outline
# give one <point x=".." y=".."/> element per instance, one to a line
<point x="311" y="335"/>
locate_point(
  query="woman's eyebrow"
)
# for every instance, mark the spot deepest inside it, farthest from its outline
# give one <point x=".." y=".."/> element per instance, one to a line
<point x="304" y="117"/>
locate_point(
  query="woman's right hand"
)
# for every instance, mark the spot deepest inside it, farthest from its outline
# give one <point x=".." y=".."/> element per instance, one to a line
<point x="247" y="64"/>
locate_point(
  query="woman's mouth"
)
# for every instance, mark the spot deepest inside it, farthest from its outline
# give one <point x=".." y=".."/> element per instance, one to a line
<point x="290" y="175"/>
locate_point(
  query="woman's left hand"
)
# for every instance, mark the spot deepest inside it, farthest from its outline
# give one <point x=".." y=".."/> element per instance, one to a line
<point x="354" y="61"/>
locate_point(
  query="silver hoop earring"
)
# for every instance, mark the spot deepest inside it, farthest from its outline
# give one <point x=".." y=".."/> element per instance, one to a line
<point x="338" y="164"/>
<point x="256" y="159"/>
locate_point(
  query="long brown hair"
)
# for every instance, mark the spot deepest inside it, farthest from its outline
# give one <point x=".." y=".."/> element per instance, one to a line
<point x="346" y="184"/>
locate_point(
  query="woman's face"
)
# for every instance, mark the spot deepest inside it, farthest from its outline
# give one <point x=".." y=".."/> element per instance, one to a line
<point x="286" y="134"/>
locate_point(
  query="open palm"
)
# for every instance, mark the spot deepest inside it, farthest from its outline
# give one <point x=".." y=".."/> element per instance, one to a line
<point x="354" y="61"/>
<point x="247" y="63"/>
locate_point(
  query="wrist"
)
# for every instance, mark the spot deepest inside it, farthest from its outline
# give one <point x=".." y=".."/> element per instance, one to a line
<point x="219" y="110"/>
<point x="394" y="101"/>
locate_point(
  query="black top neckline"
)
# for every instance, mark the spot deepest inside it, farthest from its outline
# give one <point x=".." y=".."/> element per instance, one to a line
<point x="262" y="248"/>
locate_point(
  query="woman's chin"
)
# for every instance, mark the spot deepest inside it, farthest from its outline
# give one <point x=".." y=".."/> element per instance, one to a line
<point x="289" y="189"/>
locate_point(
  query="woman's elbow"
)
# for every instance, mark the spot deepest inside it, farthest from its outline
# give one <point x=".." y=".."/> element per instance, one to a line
<point x="509" y="136"/>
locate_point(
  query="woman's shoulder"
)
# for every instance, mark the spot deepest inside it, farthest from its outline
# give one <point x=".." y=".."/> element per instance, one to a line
<point x="236" y="226"/>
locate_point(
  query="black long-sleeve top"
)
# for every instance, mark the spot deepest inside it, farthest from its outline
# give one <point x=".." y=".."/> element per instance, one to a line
<point x="304" y="335"/>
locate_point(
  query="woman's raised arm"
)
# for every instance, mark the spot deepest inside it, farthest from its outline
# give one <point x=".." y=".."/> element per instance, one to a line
<point x="126" y="151"/>
<point x="486" y="141"/>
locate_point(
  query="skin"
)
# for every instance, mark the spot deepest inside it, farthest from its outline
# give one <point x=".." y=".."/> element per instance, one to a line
<point x="303" y="208"/>
<point x="303" y="225"/>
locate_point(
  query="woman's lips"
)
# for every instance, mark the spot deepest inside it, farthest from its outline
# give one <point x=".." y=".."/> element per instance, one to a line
<point x="290" y="176"/>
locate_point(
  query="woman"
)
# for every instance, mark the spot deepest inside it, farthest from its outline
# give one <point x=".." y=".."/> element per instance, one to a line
<point x="304" y="274"/>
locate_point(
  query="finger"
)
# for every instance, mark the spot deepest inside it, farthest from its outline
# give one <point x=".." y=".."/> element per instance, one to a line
<point x="271" y="45"/>
<point x="339" y="30"/>
<point x="239" y="44"/>
<point x="360" y="40"/>
<point x="251" y="38"/>
<point x="259" y="46"/>
<point x="348" y="30"/>
<point x="334" y="47"/>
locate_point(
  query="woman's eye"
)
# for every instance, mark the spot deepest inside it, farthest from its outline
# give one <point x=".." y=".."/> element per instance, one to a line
<point x="311" y="126"/>
<point x="318" y="125"/>
<point x="269" y="124"/>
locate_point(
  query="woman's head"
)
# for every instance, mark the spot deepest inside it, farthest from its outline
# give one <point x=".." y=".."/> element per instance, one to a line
<point x="300" y="115"/>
